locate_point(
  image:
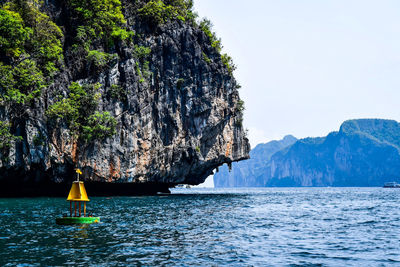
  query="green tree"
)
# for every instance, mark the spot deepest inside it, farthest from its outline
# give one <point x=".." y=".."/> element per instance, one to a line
<point x="78" y="111"/>
<point x="99" y="126"/>
<point x="100" y="20"/>
<point x="206" y="26"/>
<point x="159" y="12"/>
<point x="81" y="102"/>
<point x="21" y="84"/>
<point x="30" y="49"/>
<point x="13" y="33"/>
<point x="228" y="62"/>
<point x="117" y="92"/>
<point x="7" y="81"/>
<point x="6" y="138"/>
<point x="99" y="60"/>
<point x="44" y="39"/>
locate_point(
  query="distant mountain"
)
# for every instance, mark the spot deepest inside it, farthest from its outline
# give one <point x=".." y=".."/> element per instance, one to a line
<point x="248" y="173"/>
<point x="363" y="152"/>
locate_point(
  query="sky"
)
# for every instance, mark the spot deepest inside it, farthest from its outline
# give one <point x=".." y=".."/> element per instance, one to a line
<point x="306" y="66"/>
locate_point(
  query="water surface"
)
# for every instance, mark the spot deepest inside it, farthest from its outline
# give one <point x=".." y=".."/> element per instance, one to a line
<point x="210" y="227"/>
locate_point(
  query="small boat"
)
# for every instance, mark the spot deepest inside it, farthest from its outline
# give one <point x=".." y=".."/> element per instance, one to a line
<point x="76" y="196"/>
<point x="391" y="185"/>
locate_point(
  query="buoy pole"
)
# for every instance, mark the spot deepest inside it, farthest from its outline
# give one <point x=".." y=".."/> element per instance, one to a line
<point x="79" y="209"/>
<point x="84" y="209"/>
<point x="75" y="208"/>
<point x="70" y="209"/>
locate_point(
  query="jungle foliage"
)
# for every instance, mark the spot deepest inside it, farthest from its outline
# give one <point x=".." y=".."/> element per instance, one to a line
<point x="6" y="138"/>
<point x="101" y="20"/>
<point x="100" y="26"/>
<point x="142" y="54"/>
<point x="27" y="32"/>
<point x="159" y="12"/>
<point x="78" y="112"/>
<point x="206" y="26"/>
<point x="117" y="92"/>
<point x="30" y="51"/>
<point x="31" y="54"/>
<point x="99" y="126"/>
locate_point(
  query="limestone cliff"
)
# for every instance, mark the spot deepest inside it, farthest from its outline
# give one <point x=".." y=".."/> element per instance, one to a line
<point x="177" y="121"/>
<point x="364" y="152"/>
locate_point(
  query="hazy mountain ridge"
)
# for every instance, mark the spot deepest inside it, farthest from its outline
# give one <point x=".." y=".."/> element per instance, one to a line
<point x="363" y="152"/>
<point x="248" y="173"/>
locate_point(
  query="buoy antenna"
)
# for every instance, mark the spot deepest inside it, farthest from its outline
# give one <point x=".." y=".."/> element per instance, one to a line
<point x="78" y="171"/>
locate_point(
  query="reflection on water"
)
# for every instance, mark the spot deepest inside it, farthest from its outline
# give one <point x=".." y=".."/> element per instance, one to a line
<point x="80" y="231"/>
<point x="328" y="226"/>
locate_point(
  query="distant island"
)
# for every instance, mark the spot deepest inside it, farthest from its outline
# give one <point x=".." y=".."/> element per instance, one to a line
<point x="364" y="152"/>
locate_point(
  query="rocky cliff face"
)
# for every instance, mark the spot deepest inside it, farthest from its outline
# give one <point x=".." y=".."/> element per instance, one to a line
<point x="175" y="125"/>
<point x="363" y="153"/>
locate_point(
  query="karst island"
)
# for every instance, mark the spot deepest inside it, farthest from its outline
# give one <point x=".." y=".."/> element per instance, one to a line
<point x="137" y="94"/>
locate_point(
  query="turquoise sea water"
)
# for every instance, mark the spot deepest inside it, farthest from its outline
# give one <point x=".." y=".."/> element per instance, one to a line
<point x="210" y="227"/>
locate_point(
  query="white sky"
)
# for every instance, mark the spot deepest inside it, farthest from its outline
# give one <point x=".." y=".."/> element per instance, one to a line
<point x="305" y="66"/>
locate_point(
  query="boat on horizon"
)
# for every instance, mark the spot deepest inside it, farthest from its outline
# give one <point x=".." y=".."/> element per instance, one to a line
<point x="391" y="185"/>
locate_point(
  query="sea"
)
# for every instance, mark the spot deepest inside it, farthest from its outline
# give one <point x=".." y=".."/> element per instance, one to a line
<point x="210" y="227"/>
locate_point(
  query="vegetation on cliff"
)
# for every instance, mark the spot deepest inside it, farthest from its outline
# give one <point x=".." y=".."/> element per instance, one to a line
<point x="78" y="111"/>
<point x="363" y="152"/>
<point x="160" y="12"/>
<point x="31" y="52"/>
<point x="115" y="84"/>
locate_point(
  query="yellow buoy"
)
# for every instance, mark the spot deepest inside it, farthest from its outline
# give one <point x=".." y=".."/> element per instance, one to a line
<point x="77" y="192"/>
<point x="77" y="195"/>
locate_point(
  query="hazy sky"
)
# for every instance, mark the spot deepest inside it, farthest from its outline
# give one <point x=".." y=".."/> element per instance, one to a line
<point x="306" y="66"/>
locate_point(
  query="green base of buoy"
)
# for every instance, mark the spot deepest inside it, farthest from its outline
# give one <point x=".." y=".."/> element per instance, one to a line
<point x="77" y="220"/>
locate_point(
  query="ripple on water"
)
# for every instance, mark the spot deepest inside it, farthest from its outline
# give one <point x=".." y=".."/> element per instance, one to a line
<point x="267" y="226"/>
